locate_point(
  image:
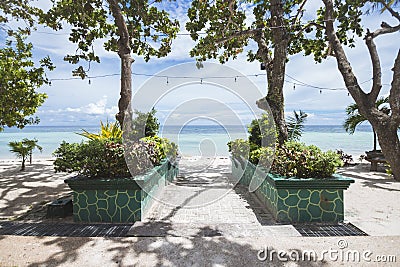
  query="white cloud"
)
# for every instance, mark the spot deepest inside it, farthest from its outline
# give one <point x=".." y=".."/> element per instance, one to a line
<point x="97" y="108"/>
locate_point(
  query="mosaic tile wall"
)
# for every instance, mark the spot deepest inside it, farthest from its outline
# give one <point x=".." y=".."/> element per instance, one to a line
<point x="119" y="203"/>
<point x="294" y="205"/>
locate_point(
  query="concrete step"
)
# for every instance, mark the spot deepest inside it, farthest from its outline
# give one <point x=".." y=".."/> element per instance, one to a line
<point x="164" y="228"/>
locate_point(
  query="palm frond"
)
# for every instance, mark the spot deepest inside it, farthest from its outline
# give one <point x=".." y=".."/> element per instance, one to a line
<point x="295" y="124"/>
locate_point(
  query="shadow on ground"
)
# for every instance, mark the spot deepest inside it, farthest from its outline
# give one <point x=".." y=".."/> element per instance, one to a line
<point x="24" y="191"/>
<point x="376" y="180"/>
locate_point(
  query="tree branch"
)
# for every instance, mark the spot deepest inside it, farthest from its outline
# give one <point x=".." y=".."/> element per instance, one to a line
<point x="244" y="33"/>
<point x="263" y="50"/>
<point x="385" y="29"/>
<point x="394" y="99"/>
<point x="343" y="64"/>
<point x="122" y="28"/>
<point x="376" y="67"/>
<point x="299" y="11"/>
<point x="394" y="13"/>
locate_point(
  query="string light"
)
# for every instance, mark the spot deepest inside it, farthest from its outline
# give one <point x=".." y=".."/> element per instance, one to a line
<point x="292" y="80"/>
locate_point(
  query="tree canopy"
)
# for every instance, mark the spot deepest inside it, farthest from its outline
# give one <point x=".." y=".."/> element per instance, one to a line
<point x="230" y="26"/>
<point x="19" y="78"/>
<point x="126" y="27"/>
<point x="19" y="75"/>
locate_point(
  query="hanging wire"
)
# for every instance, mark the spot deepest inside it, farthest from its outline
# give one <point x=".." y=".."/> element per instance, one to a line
<point x="292" y="80"/>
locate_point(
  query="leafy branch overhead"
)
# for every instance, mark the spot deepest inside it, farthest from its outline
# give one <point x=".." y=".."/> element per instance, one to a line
<point x="19" y="78"/>
<point x="149" y="30"/>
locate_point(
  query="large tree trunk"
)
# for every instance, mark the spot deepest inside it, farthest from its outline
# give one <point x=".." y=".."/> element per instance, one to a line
<point x="124" y="103"/>
<point x="390" y="145"/>
<point x="276" y="68"/>
<point x="384" y="124"/>
<point x="124" y="52"/>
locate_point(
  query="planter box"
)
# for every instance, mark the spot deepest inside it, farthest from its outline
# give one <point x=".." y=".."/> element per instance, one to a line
<point x="296" y="200"/>
<point x="118" y="200"/>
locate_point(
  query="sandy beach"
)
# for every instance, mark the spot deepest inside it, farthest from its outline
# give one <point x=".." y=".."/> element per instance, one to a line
<point x="21" y="193"/>
<point x="371" y="203"/>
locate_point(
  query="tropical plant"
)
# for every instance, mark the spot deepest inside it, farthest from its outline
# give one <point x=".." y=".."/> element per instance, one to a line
<point x="146" y="124"/>
<point x="295" y="159"/>
<point x="239" y="148"/>
<point x="23" y="149"/>
<point x="346" y="158"/>
<point x="103" y="158"/>
<point x="354" y="118"/>
<point x="295" y="125"/>
<point x="262" y="132"/>
<point x="108" y="131"/>
<point x="163" y="147"/>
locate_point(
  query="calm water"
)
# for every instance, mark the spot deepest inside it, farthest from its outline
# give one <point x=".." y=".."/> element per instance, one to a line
<point x="193" y="140"/>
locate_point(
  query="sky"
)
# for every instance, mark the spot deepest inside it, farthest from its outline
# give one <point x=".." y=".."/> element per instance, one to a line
<point x="78" y="102"/>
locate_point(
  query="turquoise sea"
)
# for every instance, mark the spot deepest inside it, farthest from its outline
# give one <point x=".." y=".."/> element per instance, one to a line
<point x="193" y="140"/>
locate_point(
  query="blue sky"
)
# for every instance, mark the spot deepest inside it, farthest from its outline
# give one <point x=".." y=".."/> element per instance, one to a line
<point x="76" y="102"/>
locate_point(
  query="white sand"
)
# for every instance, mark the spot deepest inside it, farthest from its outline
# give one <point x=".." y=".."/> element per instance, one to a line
<point x="371" y="203"/>
<point x="21" y="191"/>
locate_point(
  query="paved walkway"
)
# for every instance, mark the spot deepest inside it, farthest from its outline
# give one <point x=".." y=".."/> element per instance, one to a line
<point x="204" y="202"/>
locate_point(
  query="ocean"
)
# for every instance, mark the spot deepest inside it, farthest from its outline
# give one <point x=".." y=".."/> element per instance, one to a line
<point x="193" y="140"/>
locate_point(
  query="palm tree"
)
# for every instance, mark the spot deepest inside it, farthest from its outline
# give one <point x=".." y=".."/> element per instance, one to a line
<point x="295" y="125"/>
<point x="381" y="7"/>
<point x="354" y="118"/>
<point x="23" y="149"/>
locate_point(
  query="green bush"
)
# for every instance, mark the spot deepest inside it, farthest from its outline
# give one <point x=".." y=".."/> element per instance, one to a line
<point x="104" y="158"/>
<point x="262" y="132"/>
<point x="263" y="156"/>
<point x="296" y="159"/>
<point x="163" y="147"/>
<point x="146" y="124"/>
<point x="68" y="157"/>
<point x="239" y="148"/>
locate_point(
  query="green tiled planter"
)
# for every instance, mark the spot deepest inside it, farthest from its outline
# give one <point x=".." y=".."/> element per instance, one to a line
<point x="296" y="200"/>
<point x="118" y="200"/>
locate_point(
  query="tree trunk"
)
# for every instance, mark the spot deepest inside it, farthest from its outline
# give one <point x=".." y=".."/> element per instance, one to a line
<point x="384" y="124"/>
<point x="390" y="145"/>
<point x="124" y="103"/>
<point x="374" y="139"/>
<point x="23" y="163"/>
<point x="276" y="69"/>
<point x="124" y="52"/>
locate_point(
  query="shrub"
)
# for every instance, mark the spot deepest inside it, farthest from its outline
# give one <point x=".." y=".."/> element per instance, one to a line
<point x="163" y="147"/>
<point x="262" y="132"/>
<point x="239" y="148"/>
<point x="68" y="157"/>
<point x="296" y="159"/>
<point x="104" y="158"/>
<point x="146" y="124"/>
<point x="263" y="156"/>
<point x="346" y="158"/>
